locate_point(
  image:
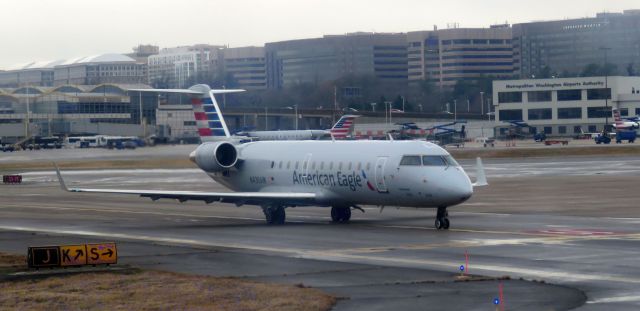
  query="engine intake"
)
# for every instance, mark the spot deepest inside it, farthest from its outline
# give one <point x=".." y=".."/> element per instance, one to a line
<point x="215" y="157"/>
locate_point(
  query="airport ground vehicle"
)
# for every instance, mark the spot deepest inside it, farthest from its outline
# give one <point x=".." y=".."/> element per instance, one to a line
<point x="602" y="139"/>
<point x="629" y="136"/>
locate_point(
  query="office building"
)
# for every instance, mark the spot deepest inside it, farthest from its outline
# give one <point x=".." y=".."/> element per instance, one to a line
<point x="567" y="106"/>
<point x="381" y="55"/>
<point x="449" y="55"/>
<point x="184" y="66"/>
<point x="246" y="66"/>
<point x="566" y="47"/>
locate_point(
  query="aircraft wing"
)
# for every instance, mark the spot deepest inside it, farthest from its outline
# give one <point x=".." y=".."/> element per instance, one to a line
<point x="239" y="198"/>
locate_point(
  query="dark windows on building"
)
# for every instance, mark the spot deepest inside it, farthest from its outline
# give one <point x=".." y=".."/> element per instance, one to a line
<point x="637" y="111"/>
<point x="189" y="123"/>
<point x="592" y="129"/>
<point x="594" y="94"/>
<point x="577" y="129"/>
<point x="510" y="114"/>
<point x="540" y="114"/>
<point x="539" y="96"/>
<point x="624" y="112"/>
<point x="598" y="112"/>
<point x="570" y="113"/>
<point x="567" y="95"/>
<point x="509" y="97"/>
<point x="562" y="129"/>
<point x="547" y="130"/>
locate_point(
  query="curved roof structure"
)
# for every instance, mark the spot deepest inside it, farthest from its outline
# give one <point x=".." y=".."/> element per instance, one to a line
<point x="102" y="58"/>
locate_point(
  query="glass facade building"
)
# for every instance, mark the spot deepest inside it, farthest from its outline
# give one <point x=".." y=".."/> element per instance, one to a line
<point x="566" y="47"/>
<point x="322" y="59"/>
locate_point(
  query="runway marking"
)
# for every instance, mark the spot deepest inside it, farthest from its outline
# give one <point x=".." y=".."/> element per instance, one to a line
<point x="560" y="276"/>
<point x="615" y="299"/>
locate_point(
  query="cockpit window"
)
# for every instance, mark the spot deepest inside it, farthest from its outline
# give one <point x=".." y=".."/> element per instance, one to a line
<point x="410" y="160"/>
<point x="433" y="161"/>
<point x="451" y="160"/>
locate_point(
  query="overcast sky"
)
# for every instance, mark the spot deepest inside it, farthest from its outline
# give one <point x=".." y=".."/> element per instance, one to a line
<point x="36" y="30"/>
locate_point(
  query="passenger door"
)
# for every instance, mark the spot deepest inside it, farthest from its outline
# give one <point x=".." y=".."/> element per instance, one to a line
<point x="381" y="184"/>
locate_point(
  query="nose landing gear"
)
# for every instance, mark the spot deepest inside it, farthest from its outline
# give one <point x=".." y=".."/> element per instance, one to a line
<point x="442" y="218"/>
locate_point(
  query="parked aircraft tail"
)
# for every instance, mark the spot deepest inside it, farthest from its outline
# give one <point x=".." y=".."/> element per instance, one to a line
<point x="342" y="128"/>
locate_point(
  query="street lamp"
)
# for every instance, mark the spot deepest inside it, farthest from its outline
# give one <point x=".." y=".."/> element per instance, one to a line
<point x="481" y="103"/>
<point x="295" y="108"/>
<point x="606" y="88"/>
<point x="373" y="107"/>
<point x="455" y="110"/>
<point x="402" y="102"/>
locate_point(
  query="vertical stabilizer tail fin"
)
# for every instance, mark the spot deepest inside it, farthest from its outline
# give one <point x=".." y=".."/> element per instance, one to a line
<point x="616" y="117"/>
<point x="343" y="127"/>
<point x="209" y="119"/>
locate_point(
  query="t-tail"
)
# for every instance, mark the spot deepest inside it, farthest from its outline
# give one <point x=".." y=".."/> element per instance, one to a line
<point x="209" y="120"/>
<point x="343" y="127"/>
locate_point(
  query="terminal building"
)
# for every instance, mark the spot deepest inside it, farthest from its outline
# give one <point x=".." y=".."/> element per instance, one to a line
<point x="181" y="67"/>
<point x="564" y="107"/>
<point x="247" y="67"/>
<point x="107" y="109"/>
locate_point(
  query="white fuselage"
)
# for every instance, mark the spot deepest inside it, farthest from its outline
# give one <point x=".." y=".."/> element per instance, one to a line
<point x="287" y="135"/>
<point x="350" y="172"/>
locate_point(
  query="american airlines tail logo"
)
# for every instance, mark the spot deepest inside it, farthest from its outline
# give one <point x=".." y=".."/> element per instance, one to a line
<point x="369" y="185"/>
<point x="207" y="117"/>
<point x="341" y="129"/>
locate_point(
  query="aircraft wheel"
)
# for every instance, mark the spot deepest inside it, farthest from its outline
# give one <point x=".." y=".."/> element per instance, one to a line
<point x="340" y="214"/>
<point x="439" y="225"/>
<point x="446" y="224"/>
<point x="274" y="215"/>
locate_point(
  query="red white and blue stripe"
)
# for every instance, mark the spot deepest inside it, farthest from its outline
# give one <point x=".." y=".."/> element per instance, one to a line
<point x="343" y="126"/>
<point x="209" y="120"/>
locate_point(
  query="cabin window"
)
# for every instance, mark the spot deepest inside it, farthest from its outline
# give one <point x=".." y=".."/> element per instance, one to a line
<point x="330" y="165"/>
<point x="280" y="165"/>
<point x="369" y="166"/>
<point x="288" y="164"/>
<point x="359" y="166"/>
<point x="297" y="164"/>
<point x="349" y="166"/>
<point x="340" y="166"/>
<point x="313" y="165"/>
<point x="410" y="160"/>
<point x="304" y="165"/>
<point x="322" y="165"/>
<point x="273" y="163"/>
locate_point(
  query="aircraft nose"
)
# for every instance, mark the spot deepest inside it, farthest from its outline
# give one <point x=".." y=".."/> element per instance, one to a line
<point x="192" y="156"/>
<point x="457" y="188"/>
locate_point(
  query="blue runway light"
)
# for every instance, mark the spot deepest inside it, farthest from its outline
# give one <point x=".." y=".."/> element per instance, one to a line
<point x="496" y="301"/>
<point x="462" y="268"/>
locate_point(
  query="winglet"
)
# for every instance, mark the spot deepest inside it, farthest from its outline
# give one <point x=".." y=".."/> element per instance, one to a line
<point x="481" y="177"/>
<point x="60" y="179"/>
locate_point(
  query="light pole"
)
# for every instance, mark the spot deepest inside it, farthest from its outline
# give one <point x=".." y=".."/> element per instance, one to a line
<point x="481" y="103"/>
<point x="455" y="110"/>
<point x="296" y="113"/>
<point x="266" y="118"/>
<point x="606" y="89"/>
<point x="373" y="107"/>
<point x="402" y="103"/>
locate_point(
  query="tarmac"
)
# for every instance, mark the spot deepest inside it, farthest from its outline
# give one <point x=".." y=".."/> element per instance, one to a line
<point x="564" y="230"/>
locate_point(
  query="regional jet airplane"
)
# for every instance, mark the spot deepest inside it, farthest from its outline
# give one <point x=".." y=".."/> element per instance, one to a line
<point x="340" y="130"/>
<point x="343" y="175"/>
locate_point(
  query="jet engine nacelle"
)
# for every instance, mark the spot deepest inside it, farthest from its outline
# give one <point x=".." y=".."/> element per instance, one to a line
<point x="215" y="157"/>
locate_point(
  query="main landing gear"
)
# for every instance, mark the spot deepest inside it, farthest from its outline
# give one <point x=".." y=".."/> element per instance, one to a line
<point x="340" y="214"/>
<point x="442" y="218"/>
<point x="274" y="214"/>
